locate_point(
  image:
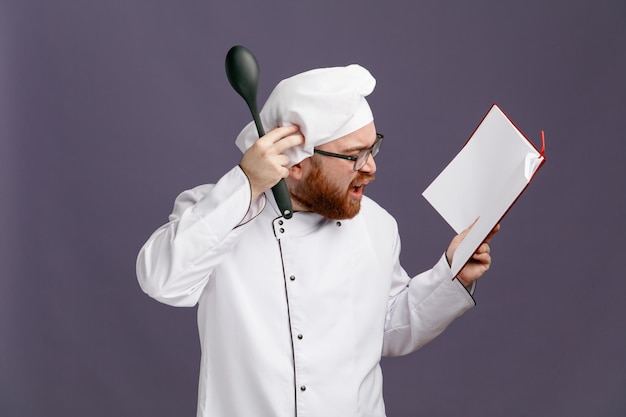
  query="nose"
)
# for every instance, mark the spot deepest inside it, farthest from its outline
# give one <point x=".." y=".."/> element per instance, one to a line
<point x="370" y="165"/>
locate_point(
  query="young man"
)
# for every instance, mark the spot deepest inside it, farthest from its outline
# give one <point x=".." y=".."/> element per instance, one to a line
<point x="294" y="314"/>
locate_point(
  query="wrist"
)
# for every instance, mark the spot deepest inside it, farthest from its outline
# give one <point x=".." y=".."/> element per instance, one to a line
<point x="466" y="283"/>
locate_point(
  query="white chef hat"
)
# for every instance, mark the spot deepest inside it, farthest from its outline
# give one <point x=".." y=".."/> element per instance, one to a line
<point x="327" y="103"/>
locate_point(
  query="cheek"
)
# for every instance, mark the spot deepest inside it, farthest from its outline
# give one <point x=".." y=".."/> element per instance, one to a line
<point x="343" y="180"/>
<point x="338" y="178"/>
<point x="342" y="175"/>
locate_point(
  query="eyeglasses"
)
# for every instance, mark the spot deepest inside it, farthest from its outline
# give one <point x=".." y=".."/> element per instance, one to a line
<point x="359" y="159"/>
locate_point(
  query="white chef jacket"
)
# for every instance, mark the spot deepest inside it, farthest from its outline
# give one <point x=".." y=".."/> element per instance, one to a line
<point x="293" y="314"/>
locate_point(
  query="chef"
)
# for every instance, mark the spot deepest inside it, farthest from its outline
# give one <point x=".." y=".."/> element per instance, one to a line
<point x="294" y="314"/>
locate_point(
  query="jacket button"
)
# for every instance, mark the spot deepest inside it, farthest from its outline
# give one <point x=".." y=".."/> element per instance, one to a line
<point x="300" y="336"/>
<point x="303" y="388"/>
<point x="293" y="277"/>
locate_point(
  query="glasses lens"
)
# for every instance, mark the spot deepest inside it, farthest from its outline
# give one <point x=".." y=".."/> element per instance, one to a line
<point x="361" y="159"/>
<point x="376" y="147"/>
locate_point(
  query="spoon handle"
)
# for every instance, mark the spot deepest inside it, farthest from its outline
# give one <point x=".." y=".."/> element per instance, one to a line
<point x="280" y="190"/>
<point x="242" y="70"/>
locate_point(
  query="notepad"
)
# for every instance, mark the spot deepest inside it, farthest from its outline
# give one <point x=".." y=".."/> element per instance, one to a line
<point x="484" y="180"/>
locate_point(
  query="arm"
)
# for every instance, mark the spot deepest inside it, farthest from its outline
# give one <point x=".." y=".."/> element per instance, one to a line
<point x="176" y="262"/>
<point x="424" y="306"/>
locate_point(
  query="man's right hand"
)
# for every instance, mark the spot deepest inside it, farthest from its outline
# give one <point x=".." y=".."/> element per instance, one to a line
<point x="264" y="162"/>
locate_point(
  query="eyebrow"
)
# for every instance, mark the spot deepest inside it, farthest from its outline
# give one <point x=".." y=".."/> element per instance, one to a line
<point x="356" y="149"/>
<point x="360" y="148"/>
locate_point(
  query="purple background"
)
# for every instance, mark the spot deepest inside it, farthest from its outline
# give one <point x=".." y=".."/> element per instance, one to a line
<point x="108" y="109"/>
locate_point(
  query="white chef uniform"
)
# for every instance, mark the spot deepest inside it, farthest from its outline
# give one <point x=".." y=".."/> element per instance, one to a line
<point x="293" y="314"/>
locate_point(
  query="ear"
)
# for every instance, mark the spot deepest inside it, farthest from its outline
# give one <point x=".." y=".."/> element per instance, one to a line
<point x="297" y="171"/>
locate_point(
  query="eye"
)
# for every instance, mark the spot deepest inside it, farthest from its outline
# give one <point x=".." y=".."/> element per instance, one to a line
<point x="362" y="153"/>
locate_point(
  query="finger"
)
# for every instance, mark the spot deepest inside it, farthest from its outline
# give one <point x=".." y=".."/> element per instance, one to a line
<point x="288" y="142"/>
<point x="491" y="234"/>
<point x="482" y="257"/>
<point x="483" y="248"/>
<point x="282" y="160"/>
<point x="466" y="231"/>
<point x="284" y="173"/>
<point x="279" y="133"/>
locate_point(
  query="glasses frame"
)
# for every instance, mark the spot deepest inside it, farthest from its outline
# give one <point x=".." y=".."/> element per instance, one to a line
<point x="361" y="158"/>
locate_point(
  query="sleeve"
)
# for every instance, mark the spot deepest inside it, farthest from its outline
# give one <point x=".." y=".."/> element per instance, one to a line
<point x="420" y="308"/>
<point x="176" y="262"/>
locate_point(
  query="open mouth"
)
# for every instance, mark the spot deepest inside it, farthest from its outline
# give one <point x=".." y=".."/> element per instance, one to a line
<point x="357" y="187"/>
<point x="357" y="190"/>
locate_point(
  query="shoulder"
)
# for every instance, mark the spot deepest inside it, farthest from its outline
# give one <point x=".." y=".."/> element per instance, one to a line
<point x="193" y="195"/>
<point x="231" y="183"/>
<point x="188" y="198"/>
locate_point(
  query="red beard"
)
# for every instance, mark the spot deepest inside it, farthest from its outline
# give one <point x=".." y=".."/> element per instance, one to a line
<point x="317" y="193"/>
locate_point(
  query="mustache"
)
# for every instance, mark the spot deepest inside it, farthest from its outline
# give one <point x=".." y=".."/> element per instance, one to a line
<point x="363" y="176"/>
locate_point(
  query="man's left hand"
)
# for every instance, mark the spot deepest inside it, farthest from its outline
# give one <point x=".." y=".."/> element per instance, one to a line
<point x="479" y="263"/>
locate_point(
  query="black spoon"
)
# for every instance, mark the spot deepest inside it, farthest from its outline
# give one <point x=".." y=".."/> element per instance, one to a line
<point x="242" y="70"/>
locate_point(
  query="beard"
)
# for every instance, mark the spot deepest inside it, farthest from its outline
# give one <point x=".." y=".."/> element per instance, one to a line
<point x="319" y="194"/>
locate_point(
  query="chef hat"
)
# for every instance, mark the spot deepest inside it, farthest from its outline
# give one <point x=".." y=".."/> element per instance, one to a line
<point x="327" y="103"/>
